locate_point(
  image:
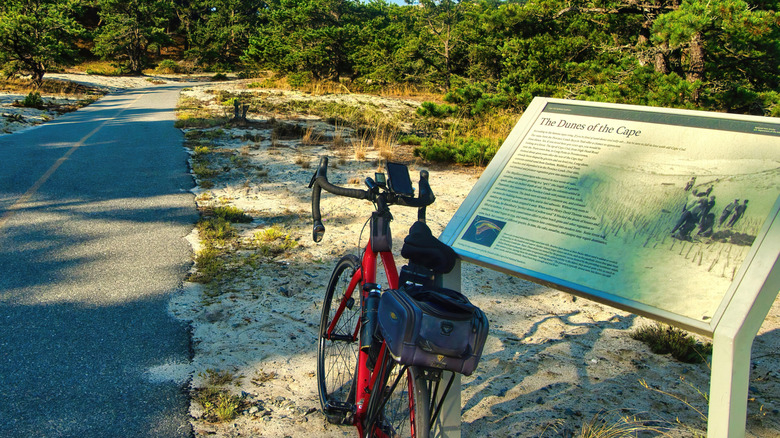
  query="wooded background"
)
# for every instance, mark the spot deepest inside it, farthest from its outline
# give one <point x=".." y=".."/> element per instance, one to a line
<point x="482" y="55"/>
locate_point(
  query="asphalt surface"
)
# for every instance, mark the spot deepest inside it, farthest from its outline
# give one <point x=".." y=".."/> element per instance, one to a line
<point x="94" y="208"/>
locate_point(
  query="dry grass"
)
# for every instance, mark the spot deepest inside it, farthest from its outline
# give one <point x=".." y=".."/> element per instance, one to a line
<point x="301" y="161"/>
<point x="361" y="144"/>
<point x="338" y="136"/>
<point x="385" y="141"/>
<point x="62" y="88"/>
<point x="311" y="136"/>
<point x="103" y="68"/>
<point x="408" y="91"/>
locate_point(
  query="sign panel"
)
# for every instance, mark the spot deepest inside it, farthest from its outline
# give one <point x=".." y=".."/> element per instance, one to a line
<point x="648" y="209"/>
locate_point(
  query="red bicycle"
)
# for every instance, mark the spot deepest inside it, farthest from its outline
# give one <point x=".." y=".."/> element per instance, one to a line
<point x="359" y="382"/>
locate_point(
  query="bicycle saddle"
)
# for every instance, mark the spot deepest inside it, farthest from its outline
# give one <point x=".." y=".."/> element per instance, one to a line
<point x="421" y="248"/>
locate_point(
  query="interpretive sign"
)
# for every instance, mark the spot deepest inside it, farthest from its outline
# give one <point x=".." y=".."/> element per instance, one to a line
<point x="648" y="209"/>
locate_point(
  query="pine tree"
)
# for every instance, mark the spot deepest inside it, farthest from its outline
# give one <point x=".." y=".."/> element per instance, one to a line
<point x="131" y="29"/>
<point x="36" y="35"/>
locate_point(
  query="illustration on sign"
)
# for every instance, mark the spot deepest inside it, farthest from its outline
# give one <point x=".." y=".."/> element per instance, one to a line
<point x="659" y="208"/>
<point x="483" y="230"/>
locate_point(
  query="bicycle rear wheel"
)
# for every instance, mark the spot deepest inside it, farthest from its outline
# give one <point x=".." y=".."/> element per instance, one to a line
<point x="404" y="407"/>
<point x="337" y="352"/>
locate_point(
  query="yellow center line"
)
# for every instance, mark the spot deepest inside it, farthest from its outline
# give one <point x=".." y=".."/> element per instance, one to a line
<point x="45" y="177"/>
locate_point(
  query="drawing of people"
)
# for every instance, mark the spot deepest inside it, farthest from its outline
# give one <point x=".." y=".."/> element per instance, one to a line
<point x="708" y="206"/>
<point x="738" y="212"/>
<point x="690" y="218"/>
<point x="691" y="204"/>
<point x="705" y="227"/>
<point x="727" y="211"/>
<point x="704" y="193"/>
<point x="690" y="184"/>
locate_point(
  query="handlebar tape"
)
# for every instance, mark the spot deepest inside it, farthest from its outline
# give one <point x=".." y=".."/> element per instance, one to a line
<point x="425" y="198"/>
<point x="320" y="181"/>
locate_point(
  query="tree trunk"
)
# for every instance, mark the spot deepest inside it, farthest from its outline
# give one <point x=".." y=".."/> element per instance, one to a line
<point x="696" y="68"/>
<point x="661" y="61"/>
<point x="36" y="74"/>
<point x="696" y="54"/>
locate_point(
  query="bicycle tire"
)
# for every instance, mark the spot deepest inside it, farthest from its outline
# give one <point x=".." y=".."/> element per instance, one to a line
<point x="403" y="411"/>
<point x="337" y="358"/>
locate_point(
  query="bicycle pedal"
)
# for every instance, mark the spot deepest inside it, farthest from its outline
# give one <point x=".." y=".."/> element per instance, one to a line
<point x="338" y="407"/>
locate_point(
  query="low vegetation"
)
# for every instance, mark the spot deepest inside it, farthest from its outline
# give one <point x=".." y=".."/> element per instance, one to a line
<point x="219" y="404"/>
<point x="664" y="339"/>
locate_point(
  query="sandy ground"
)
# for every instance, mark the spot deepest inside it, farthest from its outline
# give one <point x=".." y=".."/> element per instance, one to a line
<point x="553" y="363"/>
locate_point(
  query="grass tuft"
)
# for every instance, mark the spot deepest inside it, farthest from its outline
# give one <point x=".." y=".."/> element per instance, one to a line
<point x="670" y="340"/>
<point x="232" y="214"/>
<point x="210" y="265"/>
<point x="215" y="231"/>
<point x="219" y="404"/>
<point x="273" y="241"/>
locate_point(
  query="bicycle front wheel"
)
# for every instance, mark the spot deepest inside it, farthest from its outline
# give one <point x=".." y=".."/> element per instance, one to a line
<point x="403" y="407"/>
<point x="338" y="346"/>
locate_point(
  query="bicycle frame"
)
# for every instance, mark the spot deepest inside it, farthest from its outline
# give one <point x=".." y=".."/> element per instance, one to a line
<point x="365" y="378"/>
<point x="382" y="193"/>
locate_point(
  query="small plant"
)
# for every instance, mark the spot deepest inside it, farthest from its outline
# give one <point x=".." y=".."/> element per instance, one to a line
<point x="667" y="339"/>
<point x="273" y="241"/>
<point x="603" y="425"/>
<point x="300" y="160"/>
<point x="215" y="377"/>
<point x="33" y="100"/>
<point x="310" y="136"/>
<point x="209" y="265"/>
<point x="338" y="137"/>
<point x="203" y="172"/>
<point x="261" y="377"/>
<point x="215" y="230"/>
<point x="232" y="214"/>
<point x="219" y="404"/>
<point x="385" y="141"/>
<point x="411" y="139"/>
<point x="361" y="144"/>
<point x="103" y="68"/>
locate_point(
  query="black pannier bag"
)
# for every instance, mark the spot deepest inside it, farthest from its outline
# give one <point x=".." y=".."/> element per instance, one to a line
<point x="432" y="327"/>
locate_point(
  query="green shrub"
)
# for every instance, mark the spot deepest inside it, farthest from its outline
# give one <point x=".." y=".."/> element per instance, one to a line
<point x="467" y="151"/>
<point x="411" y="139"/>
<point x="219" y="77"/>
<point x="168" y="66"/>
<point x="33" y="100"/>
<point x="299" y="79"/>
<point x="430" y="109"/>
<point x="670" y="340"/>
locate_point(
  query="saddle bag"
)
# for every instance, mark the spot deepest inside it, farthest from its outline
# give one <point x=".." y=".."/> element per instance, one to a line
<point x="432" y="327"/>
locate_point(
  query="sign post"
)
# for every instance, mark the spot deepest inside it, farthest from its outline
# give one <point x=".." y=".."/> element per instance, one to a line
<point x="669" y="214"/>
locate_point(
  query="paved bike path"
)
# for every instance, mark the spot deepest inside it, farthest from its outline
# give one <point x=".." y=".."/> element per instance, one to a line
<point x="94" y="207"/>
